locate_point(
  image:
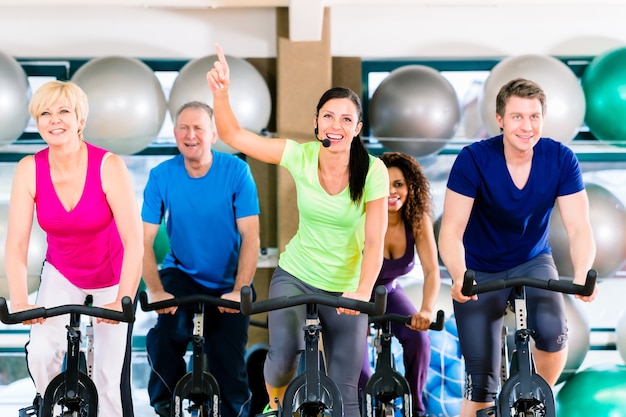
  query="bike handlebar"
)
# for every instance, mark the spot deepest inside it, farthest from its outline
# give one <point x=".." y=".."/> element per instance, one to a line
<point x="184" y="300"/>
<point x="399" y="318"/>
<point x="377" y="307"/>
<point x="126" y="315"/>
<point x="566" y="287"/>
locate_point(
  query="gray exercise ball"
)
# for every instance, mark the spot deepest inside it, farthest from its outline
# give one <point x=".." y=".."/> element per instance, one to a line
<point x="250" y="96"/>
<point x="565" y="99"/>
<point x="608" y="222"/>
<point x="127" y="105"/>
<point x="14" y="98"/>
<point x="414" y="110"/>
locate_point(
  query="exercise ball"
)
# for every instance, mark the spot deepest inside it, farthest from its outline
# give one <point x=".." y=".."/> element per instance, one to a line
<point x="604" y="85"/>
<point x="414" y="290"/>
<point x="14" y="98"/>
<point x="578" y="340"/>
<point x="161" y="244"/>
<point x="445" y="380"/>
<point x="37" y="248"/>
<point x="126" y="103"/>
<point x="414" y="110"/>
<point x="620" y="335"/>
<point x="249" y="94"/>
<point x="608" y="222"/>
<point x="565" y="100"/>
<point x="598" y="391"/>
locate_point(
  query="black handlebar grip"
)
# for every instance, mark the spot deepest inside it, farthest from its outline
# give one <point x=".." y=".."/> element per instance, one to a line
<point x="380" y="300"/>
<point x="438" y="323"/>
<point x="468" y="283"/>
<point x="246" y="300"/>
<point x="590" y="283"/>
<point x="127" y="310"/>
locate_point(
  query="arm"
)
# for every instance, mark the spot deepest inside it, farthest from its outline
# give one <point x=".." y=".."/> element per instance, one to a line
<point x="118" y="188"/>
<point x="375" y="229"/>
<point x="574" y="210"/>
<point x="228" y="128"/>
<point x="456" y="212"/>
<point x="248" y="257"/>
<point x="427" y="253"/>
<point x="150" y="271"/>
<point x="20" y="223"/>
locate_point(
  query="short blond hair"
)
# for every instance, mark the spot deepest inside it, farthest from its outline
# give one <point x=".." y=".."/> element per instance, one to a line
<point x="65" y="91"/>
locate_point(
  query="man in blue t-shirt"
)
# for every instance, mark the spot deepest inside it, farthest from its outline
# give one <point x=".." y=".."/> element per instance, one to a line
<point x="209" y="204"/>
<point x="499" y="198"/>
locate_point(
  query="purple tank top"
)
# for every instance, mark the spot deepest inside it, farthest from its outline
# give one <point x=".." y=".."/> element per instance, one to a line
<point x="394" y="268"/>
<point x="83" y="244"/>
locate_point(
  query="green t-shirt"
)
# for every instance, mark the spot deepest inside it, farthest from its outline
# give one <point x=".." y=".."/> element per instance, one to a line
<point x="327" y="249"/>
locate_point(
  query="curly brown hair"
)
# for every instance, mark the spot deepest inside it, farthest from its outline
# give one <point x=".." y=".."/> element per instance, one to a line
<point x="419" y="198"/>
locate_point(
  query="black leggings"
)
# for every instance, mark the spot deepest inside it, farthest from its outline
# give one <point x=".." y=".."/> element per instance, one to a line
<point x="480" y="323"/>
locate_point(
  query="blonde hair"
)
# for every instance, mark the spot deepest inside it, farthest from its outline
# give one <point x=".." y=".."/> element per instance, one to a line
<point x="65" y="91"/>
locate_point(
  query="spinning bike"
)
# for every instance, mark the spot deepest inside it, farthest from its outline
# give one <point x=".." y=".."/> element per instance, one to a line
<point x="386" y="384"/>
<point x="196" y="393"/>
<point x="71" y="393"/>
<point x="523" y="392"/>
<point x="312" y="393"/>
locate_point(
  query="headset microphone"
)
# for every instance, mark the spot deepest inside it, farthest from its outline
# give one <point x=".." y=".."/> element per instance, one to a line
<point x="325" y="142"/>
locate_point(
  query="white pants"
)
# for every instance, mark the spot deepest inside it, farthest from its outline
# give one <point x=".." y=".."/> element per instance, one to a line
<point x="48" y="341"/>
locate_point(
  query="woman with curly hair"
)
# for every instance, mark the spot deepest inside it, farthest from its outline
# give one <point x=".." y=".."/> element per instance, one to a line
<point x="409" y="228"/>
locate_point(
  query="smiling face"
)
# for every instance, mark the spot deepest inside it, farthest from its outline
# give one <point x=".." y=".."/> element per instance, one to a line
<point x="521" y="123"/>
<point x="338" y="121"/>
<point x="194" y="133"/>
<point x="398" y="189"/>
<point x="58" y="123"/>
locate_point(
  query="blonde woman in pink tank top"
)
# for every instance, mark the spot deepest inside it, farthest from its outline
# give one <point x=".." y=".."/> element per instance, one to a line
<point x="84" y="200"/>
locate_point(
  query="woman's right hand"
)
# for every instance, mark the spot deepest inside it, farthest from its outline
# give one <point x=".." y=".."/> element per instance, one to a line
<point x="219" y="76"/>
<point x="23" y="307"/>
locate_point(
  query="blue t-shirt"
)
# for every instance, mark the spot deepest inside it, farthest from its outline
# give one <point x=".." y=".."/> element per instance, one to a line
<point x="200" y="216"/>
<point x="509" y="226"/>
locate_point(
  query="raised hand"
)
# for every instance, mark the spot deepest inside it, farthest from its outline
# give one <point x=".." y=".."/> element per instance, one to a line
<point x="218" y="77"/>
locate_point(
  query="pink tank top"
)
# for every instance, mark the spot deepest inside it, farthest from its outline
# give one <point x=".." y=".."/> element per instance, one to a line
<point x="83" y="244"/>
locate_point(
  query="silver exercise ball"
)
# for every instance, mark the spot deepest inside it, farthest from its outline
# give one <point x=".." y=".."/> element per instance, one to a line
<point x="36" y="252"/>
<point x="414" y="110"/>
<point x="250" y="96"/>
<point x="127" y="105"/>
<point x="14" y="98"/>
<point x="608" y="222"/>
<point x="565" y="99"/>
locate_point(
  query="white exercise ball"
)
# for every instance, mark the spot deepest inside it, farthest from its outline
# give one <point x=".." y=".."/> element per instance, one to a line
<point x="37" y="247"/>
<point x="565" y="99"/>
<point x="14" y="98"/>
<point x="414" y="289"/>
<point x="249" y="94"/>
<point x="127" y="105"/>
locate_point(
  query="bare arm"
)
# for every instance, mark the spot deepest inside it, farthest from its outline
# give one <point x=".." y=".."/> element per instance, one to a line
<point x="150" y="270"/>
<point x="20" y="223"/>
<point x="456" y="212"/>
<point x="120" y="195"/>
<point x="427" y="253"/>
<point x="574" y="210"/>
<point x="248" y="257"/>
<point x="228" y="128"/>
<point x="375" y="229"/>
